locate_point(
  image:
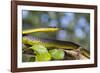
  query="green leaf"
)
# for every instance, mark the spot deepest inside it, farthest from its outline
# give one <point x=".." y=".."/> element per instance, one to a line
<point x="39" y="49"/>
<point x="43" y="57"/>
<point x="41" y="53"/>
<point x="57" y="54"/>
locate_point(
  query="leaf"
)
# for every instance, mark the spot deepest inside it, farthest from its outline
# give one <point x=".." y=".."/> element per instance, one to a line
<point x="43" y="57"/>
<point x="41" y="53"/>
<point x="57" y="54"/>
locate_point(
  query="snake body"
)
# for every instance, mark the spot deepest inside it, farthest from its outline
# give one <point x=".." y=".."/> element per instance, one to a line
<point x="40" y="30"/>
<point x="51" y="43"/>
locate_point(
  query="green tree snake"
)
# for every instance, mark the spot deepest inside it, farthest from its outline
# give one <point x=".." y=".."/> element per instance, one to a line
<point x="51" y="43"/>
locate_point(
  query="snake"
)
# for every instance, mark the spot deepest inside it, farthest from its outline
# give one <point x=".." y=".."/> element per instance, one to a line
<point x="52" y="43"/>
